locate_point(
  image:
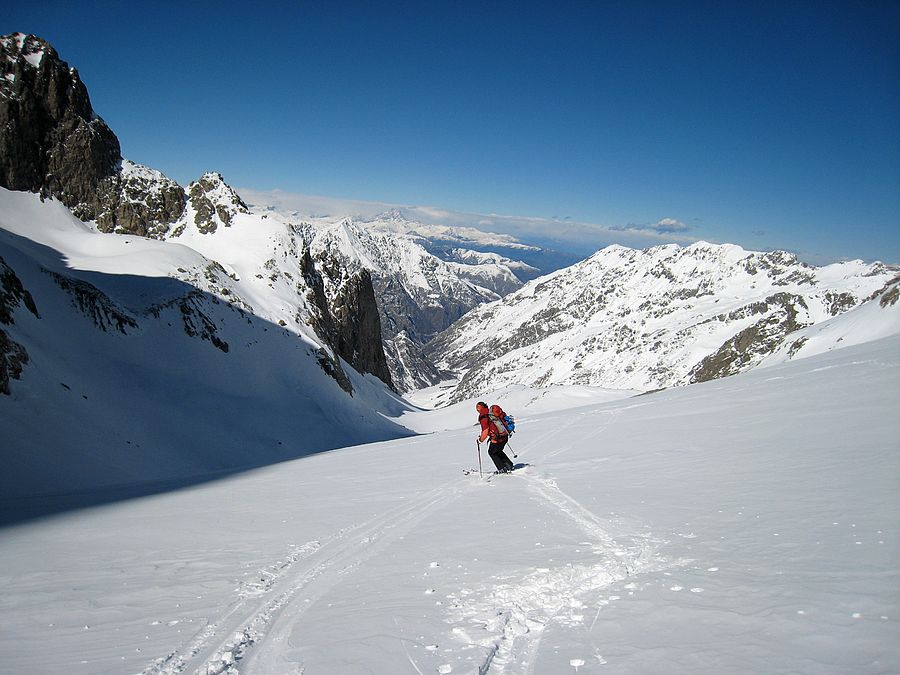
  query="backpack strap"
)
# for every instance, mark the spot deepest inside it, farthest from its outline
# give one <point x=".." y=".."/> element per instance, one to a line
<point x="498" y="425"/>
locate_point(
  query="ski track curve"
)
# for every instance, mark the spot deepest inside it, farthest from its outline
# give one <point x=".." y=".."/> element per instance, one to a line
<point x="260" y="620"/>
<point x="510" y="613"/>
<point x="513" y="611"/>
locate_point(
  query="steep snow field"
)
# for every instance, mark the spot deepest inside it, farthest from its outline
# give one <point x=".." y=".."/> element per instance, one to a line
<point x="117" y="396"/>
<point x="743" y="525"/>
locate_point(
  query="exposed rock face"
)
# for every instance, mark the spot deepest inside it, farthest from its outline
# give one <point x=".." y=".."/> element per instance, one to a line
<point x="322" y="321"/>
<point x="95" y="304"/>
<point x="763" y="337"/>
<point x="136" y="200"/>
<point x="13" y="357"/>
<point x="13" y="294"/>
<point x="50" y="139"/>
<point x="214" y="202"/>
<point x="349" y="323"/>
<point x="358" y="326"/>
<point x="52" y="142"/>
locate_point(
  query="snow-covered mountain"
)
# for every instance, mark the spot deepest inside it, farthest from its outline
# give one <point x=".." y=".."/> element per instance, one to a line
<point x="649" y="319"/>
<point x="417" y="293"/>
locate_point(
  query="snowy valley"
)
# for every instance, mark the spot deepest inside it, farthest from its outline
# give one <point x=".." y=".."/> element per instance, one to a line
<point x="745" y="524"/>
<point x="233" y="436"/>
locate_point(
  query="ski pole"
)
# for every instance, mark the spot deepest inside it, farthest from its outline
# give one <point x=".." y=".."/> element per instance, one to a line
<point x="480" y="472"/>
<point x="515" y="456"/>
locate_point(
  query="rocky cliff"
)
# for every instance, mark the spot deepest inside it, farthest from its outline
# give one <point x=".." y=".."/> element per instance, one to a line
<point x="50" y="139"/>
<point x="13" y="356"/>
<point x="53" y="143"/>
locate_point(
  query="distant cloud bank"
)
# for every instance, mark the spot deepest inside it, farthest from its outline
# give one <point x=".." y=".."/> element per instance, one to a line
<point x="563" y="234"/>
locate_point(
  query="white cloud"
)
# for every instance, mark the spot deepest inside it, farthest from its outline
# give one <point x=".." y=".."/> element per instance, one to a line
<point x="566" y="235"/>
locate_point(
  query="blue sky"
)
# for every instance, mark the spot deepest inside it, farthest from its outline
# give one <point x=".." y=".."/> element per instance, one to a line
<point x="766" y="124"/>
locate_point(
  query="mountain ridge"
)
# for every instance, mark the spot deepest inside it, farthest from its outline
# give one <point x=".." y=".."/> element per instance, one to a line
<point x="649" y="319"/>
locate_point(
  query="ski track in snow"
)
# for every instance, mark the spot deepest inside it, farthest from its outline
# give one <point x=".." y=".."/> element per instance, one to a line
<point x="254" y="623"/>
<point x="511" y="613"/>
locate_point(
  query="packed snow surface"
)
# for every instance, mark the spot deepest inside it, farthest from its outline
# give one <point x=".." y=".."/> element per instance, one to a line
<point x="748" y="524"/>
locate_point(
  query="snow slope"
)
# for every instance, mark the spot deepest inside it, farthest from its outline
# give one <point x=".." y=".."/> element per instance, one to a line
<point x="748" y="524"/>
<point x="877" y="318"/>
<point x="139" y="375"/>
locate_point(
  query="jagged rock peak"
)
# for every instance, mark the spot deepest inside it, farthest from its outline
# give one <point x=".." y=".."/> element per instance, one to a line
<point x="50" y="139"/>
<point x="52" y="142"/>
<point x="29" y="48"/>
<point x="214" y="202"/>
<point x="138" y="200"/>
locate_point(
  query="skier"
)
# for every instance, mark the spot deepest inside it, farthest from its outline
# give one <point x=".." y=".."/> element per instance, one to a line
<point x="498" y="435"/>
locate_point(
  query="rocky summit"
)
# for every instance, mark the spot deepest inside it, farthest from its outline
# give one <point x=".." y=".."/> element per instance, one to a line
<point x="52" y="142"/>
<point x="50" y="139"/>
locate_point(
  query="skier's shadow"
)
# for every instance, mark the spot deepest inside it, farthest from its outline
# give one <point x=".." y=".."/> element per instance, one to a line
<point x="521" y="465"/>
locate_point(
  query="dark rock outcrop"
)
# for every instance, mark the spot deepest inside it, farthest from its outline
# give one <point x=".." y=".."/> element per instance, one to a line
<point x="358" y="325"/>
<point x="350" y="322"/>
<point x="195" y="321"/>
<point x="50" y="139"/>
<point x="52" y="143"/>
<point x="323" y="322"/>
<point x="214" y="202"/>
<point x="755" y="341"/>
<point x="13" y="357"/>
<point x="95" y="304"/>
<point x="136" y="200"/>
<point x="13" y="294"/>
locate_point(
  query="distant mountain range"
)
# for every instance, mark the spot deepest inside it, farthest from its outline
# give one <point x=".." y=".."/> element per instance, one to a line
<point x="658" y="318"/>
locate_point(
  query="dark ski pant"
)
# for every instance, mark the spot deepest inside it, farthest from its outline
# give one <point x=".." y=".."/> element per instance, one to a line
<point x="495" y="450"/>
